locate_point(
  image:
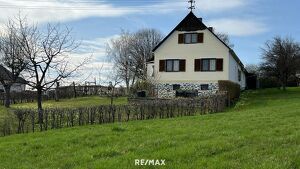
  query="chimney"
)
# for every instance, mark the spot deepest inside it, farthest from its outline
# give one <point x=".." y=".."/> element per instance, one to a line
<point x="211" y="29"/>
<point x="200" y="19"/>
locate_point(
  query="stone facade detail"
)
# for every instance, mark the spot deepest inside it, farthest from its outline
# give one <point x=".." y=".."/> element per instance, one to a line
<point x="167" y="90"/>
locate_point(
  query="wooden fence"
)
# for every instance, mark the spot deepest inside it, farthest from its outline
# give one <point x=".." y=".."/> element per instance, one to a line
<point x="26" y="120"/>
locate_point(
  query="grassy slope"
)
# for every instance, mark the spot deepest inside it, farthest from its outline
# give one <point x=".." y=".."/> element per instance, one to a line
<point x="262" y="131"/>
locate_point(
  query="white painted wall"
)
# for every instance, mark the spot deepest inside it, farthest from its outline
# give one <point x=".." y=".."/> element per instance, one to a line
<point x="210" y="48"/>
<point x="234" y="67"/>
<point x="150" y="70"/>
<point x="17" y="87"/>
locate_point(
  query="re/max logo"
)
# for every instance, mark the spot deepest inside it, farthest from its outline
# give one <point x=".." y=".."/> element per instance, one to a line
<point x="149" y="162"/>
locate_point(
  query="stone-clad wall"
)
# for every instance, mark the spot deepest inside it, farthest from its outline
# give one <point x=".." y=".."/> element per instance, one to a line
<point x="166" y="90"/>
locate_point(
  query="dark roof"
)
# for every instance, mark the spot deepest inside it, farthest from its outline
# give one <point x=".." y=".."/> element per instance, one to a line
<point x="189" y="23"/>
<point x="192" y="23"/>
<point x="7" y="75"/>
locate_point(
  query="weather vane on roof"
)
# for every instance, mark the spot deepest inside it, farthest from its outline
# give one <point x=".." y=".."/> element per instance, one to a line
<point x="192" y="2"/>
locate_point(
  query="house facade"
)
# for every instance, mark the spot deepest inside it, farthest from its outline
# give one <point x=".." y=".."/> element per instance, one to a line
<point x="16" y="87"/>
<point x="6" y="75"/>
<point x="191" y="57"/>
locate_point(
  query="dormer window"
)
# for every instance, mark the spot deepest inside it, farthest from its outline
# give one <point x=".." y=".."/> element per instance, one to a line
<point x="190" y="38"/>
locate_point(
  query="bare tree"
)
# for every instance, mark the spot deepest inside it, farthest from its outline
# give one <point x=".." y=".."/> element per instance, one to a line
<point x="48" y="55"/>
<point x="225" y="38"/>
<point x="118" y="49"/>
<point x="131" y="51"/>
<point x="281" y="59"/>
<point x="114" y="79"/>
<point x="253" y="68"/>
<point x="12" y="58"/>
<point x="141" y="46"/>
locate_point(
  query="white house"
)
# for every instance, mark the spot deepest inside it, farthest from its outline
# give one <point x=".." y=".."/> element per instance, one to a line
<point x="192" y="57"/>
<point x="5" y="75"/>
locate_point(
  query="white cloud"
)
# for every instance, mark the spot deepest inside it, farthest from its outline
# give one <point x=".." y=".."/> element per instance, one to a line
<point x="201" y="5"/>
<point x="99" y="65"/>
<point x="239" y="27"/>
<point x="219" y="5"/>
<point x="61" y="11"/>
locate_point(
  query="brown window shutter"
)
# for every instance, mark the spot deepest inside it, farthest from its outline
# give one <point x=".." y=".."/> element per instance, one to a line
<point x="200" y="37"/>
<point x="182" y="65"/>
<point x="180" y="38"/>
<point x="197" y="65"/>
<point x="219" y="64"/>
<point x="162" y="65"/>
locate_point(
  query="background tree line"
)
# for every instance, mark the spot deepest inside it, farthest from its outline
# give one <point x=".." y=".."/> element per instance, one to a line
<point x="280" y="63"/>
<point x="130" y="53"/>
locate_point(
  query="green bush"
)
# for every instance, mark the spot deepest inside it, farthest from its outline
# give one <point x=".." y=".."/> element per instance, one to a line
<point x="233" y="89"/>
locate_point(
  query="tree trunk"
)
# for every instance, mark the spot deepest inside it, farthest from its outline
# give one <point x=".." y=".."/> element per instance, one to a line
<point x="112" y="97"/>
<point x="127" y="87"/>
<point x="284" y="87"/>
<point x="74" y="90"/>
<point x="56" y="92"/>
<point x="40" y="108"/>
<point x="284" y="82"/>
<point x="7" y="95"/>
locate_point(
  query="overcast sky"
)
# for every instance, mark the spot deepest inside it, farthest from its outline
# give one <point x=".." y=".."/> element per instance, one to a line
<point x="250" y="23"/>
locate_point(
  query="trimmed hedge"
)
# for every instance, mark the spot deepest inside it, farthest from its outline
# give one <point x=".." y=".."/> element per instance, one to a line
<point x="233" y="89"/>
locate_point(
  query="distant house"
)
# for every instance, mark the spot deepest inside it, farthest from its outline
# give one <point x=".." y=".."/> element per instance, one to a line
<point x="6" y="75"/>
<point x="193" y="57"/>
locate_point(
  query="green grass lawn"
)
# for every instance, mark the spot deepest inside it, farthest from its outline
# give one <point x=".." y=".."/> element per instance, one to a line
<point x="74" y="102"/>
<point x="261" y="131"/>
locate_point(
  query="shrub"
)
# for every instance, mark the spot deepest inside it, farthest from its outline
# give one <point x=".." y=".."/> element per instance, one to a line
<point x="233" y="89"/>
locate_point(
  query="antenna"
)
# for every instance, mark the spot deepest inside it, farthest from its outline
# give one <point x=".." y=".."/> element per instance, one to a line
<point x="192" y="2"/>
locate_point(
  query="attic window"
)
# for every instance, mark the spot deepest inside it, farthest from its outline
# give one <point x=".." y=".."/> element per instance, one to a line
<point x="190" y="38"/>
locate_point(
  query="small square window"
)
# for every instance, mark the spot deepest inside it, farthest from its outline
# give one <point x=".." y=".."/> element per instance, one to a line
<point x="208" y="64"/>
<point x="173" y="65"/>
<point x="190" y="38"/>
<point x="204" y="87"/>
<point x="176" y="86"/>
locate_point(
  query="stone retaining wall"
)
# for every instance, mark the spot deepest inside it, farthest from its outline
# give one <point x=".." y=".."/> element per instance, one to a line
<point x="166" y="90"/>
